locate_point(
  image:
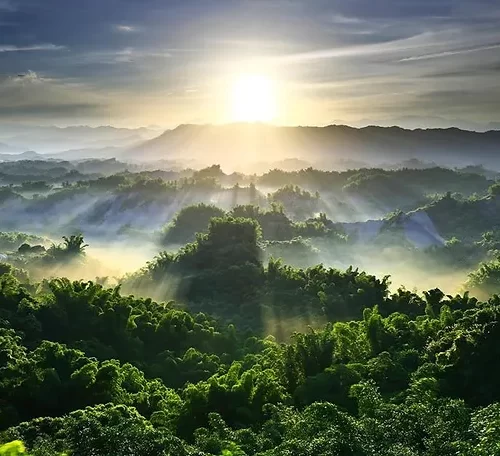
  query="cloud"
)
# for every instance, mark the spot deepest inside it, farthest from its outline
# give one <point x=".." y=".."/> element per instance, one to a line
<point x="29" y="77"/>
<point x="460" y="98"/>
<point x="419" y="44"/>
<point x="346" y="20"/>
<point x="31" y="95"/>
<point x="451" y="52"/>
<point x="32" y="47"/>
<point x="123" y="28"/>
<point x="472" y="70"/>
<point x="8" y="5"/>
<point x="125" y="55"/>
<point x="55" y="109"/>
<point x="425" y="39"/>
<point x="326" y="55"/>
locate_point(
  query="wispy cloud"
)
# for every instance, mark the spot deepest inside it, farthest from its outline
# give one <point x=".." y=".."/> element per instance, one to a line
<point x="328" y="58"/>
<point x="346" y="20"/>
<point x="449" y="53"/>
<point x="124" y="28"/>
<point x="30" y="77"/>
<point x="420" y="46"/>
<point x="125" y="55"/>
<point x="53" y="109"/>
<point x="8" y="5"/>
<point x="32" y="47"/>
<point x="425" y="39"/>
<point x="31" y="94"/>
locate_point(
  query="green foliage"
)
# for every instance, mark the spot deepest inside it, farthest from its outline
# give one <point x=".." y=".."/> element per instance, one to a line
<point x="10" y="271"/>
<point x="222" y="266"/>
<point x="72" y="247"/>
<point x="14" y="448"/>
<point x="465" y="219"/>
<point x="320" y="227"/>
<point x="494" y="190"/>
<point x="486" y="279"/>
<point x="38" y="186"/>
<point x="350" y="368"/>
<point x="296" y="201"/>
<point x="188" y="222"/>
<point x="12" y="241"/>
<point x="211" y="172"/>
<point x="147" y="186"/>
<point x="7" y="195"/>
<point x="297" y="252"/>
<point x="490" y="241"/>
<point x="88" y="371"/>
<point x="222" y="273"/>
<point x="275" y="225"/>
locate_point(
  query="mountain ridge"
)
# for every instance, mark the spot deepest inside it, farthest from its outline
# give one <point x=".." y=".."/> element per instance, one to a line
<point x="240" y="143"/>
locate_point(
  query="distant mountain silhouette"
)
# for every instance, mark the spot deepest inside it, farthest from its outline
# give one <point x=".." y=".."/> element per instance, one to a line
<point x="8" y="149"/>
<point x="412" y="122"/>
<point x="250" y="143"/>
<point x="50" y="139"/>
<point x="28" y="155"/>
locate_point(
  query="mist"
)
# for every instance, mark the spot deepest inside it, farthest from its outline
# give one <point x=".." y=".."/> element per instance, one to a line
<point x="419" y="219"/>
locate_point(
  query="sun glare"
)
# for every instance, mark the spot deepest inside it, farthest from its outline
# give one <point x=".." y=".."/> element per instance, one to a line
<point x="253" y="99"/>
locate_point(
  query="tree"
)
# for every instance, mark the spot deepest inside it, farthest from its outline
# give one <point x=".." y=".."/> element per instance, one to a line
<point x="485" y="280"/>
<point x="189" y="221"/>
<point x="74" y="245"/>
<point x="14" y="448"/>
<point x="494" y="190"/>
<point x="72" y="248"/>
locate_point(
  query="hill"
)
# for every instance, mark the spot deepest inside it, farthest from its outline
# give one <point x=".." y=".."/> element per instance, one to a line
<point x="28" y="155"/>
<point x="241" y="144"/>
<point x="8" y="149"/>
<point x="51" y="139"/>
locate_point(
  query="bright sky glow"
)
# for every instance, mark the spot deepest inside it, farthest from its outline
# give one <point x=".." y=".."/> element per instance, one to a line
<point x="253" y="99"/>
<point x="414" y="63"/>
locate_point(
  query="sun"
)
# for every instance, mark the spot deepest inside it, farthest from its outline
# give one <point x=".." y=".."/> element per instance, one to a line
<point x="253" y="99"/>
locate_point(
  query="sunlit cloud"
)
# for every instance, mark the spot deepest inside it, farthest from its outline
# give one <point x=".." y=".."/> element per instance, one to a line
<point x="347" y="20"/>
<point x="450" y="53"/>
<point x="424" y="40"/>
<point x="33" y="47"/>
<point x="30" y="94"/>
<point x="124" y="55"/>
<point x="30" y="77"/>
<point x="356" y="51"/>
<point x="122" y="28"/>
<point x="330" y="60"/>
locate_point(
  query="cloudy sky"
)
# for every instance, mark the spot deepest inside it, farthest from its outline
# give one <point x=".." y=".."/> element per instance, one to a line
<point x="166" y="62"/>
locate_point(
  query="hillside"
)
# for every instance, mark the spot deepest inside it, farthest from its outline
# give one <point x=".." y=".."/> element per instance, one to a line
<point x="87" y="370"/>
<point x="239" y="144"/>
<point x="51" y="139"/>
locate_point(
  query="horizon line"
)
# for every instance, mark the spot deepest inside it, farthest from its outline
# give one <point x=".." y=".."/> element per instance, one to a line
<point x="164" y="129"/>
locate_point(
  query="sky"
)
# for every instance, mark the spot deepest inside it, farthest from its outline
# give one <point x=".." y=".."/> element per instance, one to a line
<point x="166" y="62"/>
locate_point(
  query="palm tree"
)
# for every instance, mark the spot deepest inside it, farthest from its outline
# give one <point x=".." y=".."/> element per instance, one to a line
<point x="74" y="245"/>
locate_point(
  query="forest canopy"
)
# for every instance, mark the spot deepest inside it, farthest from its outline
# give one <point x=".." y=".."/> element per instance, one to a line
<point x="148" y="378"/>
<point x="269" y="319"/>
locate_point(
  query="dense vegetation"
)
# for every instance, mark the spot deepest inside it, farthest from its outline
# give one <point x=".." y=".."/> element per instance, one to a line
<point x="245" y="340"/>
<point x="12" y="241"/>
<point x="107" y="197"/>
<point x="222" y="273"/>
<point x="90" y="371"/>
